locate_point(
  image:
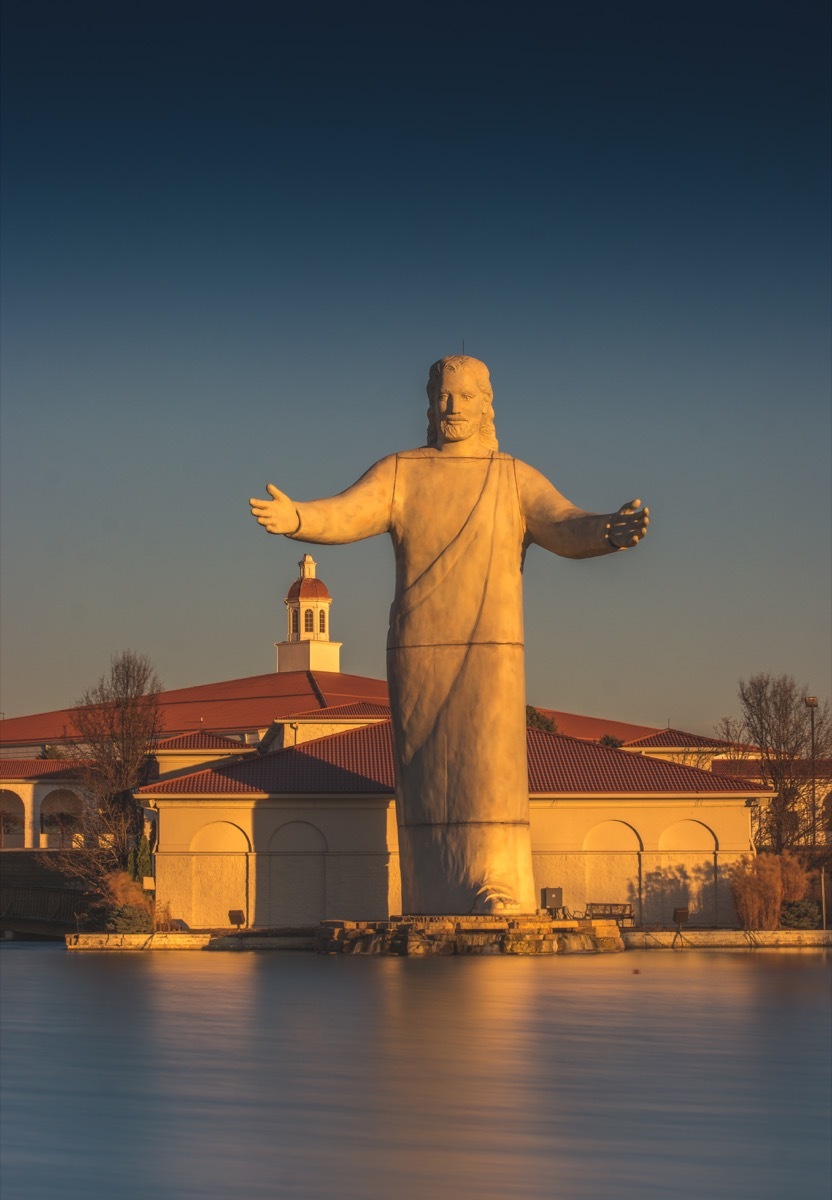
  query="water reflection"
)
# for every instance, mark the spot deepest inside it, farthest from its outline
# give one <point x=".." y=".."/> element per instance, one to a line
<point x="273" y="1075"/>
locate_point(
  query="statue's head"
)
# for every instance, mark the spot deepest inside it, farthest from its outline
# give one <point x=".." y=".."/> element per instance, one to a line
<point x="460" y="369"/>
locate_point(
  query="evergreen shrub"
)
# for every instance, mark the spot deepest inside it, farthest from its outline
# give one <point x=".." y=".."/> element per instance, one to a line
<point x="800" y="914"/>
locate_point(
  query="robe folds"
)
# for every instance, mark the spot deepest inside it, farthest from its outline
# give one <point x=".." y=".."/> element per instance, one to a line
<point x="455" y="663"/>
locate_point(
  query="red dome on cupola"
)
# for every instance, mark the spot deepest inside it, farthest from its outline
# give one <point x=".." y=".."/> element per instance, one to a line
<point x="308" y="589"/>
<point x="307" y="586"/>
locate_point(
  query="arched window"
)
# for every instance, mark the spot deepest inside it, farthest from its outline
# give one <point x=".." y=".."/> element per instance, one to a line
<point x="322" y="621"/>
<point x="308" y="621"/>
<point x="12" y="819"/>
<point x="294" y="620"/>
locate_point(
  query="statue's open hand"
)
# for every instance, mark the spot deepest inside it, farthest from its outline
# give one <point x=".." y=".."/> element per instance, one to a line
<point x="628" y="526"/>
<point x="277" y="515"/>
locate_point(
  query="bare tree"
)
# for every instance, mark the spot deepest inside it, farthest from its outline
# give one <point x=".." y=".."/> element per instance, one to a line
<point x="732" y="731"/>
<point x="9" y="826"/>
<point x="65" y="825"/>
<point x="775" y="721"/>
<point x="119" y="722"/>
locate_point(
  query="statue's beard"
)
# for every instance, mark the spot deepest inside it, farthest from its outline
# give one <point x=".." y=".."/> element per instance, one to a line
<point x="457" y="429"/>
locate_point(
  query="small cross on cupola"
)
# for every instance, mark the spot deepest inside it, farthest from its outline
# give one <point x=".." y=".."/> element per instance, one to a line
<point x="308" y="646"/>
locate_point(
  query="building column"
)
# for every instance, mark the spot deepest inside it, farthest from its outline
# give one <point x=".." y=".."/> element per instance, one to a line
<point x="31" y="816"/>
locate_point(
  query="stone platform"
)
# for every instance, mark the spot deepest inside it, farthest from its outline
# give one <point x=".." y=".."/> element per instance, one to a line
<point x="416" y="936"/>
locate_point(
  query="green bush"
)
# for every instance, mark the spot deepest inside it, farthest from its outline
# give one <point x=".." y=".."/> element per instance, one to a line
<point x="140" y="860"/>
<point x="127" y="918"/>
<point x="800" y="914"/>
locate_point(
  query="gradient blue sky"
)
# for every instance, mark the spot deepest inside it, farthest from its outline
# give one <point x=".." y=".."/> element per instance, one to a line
<point x="237" y="234"/>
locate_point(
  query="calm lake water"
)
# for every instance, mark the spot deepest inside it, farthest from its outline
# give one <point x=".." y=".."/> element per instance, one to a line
<point x="637" y="1075"/>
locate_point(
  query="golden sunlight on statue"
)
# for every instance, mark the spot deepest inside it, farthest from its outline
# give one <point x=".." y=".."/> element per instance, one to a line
<point x="461" y="516"/>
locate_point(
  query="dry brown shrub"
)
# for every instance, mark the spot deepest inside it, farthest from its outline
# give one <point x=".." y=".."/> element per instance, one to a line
<point x="760" y="886"/>
<point x="122" y="888"/>
<point x="795" y="878"/>
<point x="162" y="920"/>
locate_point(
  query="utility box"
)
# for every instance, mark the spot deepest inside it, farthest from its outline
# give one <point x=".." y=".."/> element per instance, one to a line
<point x="552" y="897"/>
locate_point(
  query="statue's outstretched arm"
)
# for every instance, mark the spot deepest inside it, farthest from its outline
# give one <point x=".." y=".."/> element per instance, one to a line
<point x="557" y="525"/>
<point x="362" y="511"/>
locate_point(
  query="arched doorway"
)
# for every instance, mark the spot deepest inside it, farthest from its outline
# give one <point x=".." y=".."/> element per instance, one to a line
<point x="687" y="876"/>
<point x="297" y="875"/>
<point x="612" y="865"/>
<point x="219" y="874"/>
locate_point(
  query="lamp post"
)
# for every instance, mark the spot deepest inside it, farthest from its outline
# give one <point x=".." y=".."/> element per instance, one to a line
<point x="811" y="703"/>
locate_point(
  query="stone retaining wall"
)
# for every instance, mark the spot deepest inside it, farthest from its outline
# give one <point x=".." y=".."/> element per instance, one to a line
<point x="724" y="939"/>
<point x="207" y="940"/>
<point x="456" y="935"/>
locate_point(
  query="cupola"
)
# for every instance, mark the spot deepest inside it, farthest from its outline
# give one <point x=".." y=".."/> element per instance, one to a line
<point x="308" y="646"/>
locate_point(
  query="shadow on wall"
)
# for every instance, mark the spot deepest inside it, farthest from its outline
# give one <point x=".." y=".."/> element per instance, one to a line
<point x="319" y="861"/>
<point x="700" y="886"/>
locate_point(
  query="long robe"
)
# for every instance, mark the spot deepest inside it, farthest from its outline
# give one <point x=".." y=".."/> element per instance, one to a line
<point x="460" y="527"/>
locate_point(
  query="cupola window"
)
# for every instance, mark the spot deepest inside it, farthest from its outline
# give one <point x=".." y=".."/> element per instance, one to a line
<point x="308" y="621"/>
<point x="294" y="620"/>
<point x="322" y="621"/>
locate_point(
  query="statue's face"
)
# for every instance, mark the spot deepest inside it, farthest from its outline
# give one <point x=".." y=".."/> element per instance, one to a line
<point x="459" y="405"/>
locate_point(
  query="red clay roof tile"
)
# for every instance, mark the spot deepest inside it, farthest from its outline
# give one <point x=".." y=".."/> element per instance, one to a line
<point x="593" y="728"/>
<point x="202" y="739"/>
<point x="236" y="704"/>
<point x="752" y="768"/>
<point x="345" y="712"/>
<point x="39" y="768"/>
<point x="563" y="764"/>
<point x="360" y="761"/>
<point x="676" y="739"/>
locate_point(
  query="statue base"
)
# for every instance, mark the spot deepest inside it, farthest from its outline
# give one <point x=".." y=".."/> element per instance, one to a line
<point x="418" y="936"/>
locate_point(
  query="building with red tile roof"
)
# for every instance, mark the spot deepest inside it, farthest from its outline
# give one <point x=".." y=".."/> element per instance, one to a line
<point x="274" y="795"/>
<point x="361" y="760"/>
<point x="238" y="707"/>
<point x="691" y="749"/>
<point x="249" y="706"/>
<point x="308" y="832"/>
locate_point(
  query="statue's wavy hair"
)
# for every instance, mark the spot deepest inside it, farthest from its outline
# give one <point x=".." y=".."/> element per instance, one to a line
<point x="488" y="434"/>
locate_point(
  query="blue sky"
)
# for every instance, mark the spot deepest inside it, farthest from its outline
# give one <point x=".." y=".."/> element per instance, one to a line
<point x="235" y="236"/>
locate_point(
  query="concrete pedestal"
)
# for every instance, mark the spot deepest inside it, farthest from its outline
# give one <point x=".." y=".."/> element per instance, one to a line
<point x="532" y="934"/>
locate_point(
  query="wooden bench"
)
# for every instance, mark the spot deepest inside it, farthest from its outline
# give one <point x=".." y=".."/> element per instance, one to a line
<point x="622" y="913"/>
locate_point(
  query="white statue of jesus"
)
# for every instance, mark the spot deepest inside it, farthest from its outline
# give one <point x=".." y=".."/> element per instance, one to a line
<point x="461" y="516"/>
